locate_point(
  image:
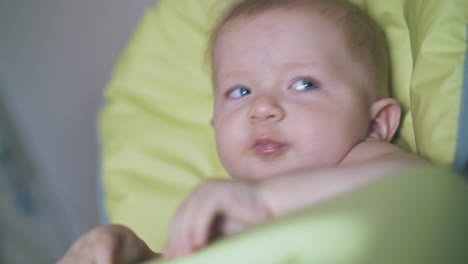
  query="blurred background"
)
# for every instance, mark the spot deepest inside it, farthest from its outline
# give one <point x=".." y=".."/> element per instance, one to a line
<point x="56" y="57"/>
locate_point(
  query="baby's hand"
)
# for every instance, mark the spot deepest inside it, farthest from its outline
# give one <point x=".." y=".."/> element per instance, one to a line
<point x="237" y="204"/>
<point x="108" y="244"/>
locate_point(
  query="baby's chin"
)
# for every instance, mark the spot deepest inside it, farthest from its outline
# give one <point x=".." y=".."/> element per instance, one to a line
<point x="266" y="173"/>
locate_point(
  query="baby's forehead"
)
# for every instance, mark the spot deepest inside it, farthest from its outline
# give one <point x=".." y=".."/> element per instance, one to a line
<point x="275" y="22"/>
<point x="306" y="33"/>
<point x="331" y="10"/>
<point x="352" y="33"/>
<point x="273" y="16"/>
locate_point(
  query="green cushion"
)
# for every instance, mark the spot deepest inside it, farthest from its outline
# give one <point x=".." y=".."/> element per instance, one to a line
<point x="366" y="226"/>
<point x="156" y="140"/>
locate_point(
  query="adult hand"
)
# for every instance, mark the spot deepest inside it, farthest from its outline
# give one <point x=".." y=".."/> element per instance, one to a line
<point x="215" y="208"/>
<point x="108" y="244"/>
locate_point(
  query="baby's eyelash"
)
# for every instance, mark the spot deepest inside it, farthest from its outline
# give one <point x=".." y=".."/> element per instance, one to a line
<point x="238" y="91"/>
<point x="304" y="84"/>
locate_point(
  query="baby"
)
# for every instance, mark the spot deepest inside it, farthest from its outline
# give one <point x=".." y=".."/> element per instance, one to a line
<point x="301" y="114"/>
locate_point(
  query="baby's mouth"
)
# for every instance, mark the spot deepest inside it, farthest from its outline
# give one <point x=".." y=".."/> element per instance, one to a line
<point x="268" y="147"/>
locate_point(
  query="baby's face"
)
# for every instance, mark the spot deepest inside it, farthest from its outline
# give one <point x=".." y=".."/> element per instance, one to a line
<point x="288" y="95"/>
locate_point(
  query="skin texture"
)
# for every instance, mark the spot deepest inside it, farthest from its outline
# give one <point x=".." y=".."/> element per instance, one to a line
<point x="316" y="127"/>
<point x="292" y="112"/>
<point x="108" y="244"/>
<point x="295" y="124"/>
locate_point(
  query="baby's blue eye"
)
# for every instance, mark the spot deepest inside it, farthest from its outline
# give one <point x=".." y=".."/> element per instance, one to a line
<point x="304" y="85"/>
<point x="239" y="92"/>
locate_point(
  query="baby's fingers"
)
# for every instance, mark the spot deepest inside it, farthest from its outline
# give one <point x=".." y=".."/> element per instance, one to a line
<point x="175" y="240"/>
<point x="231" y="208"/>
<point x="179" y="238"/>
<point x="210" y="213"/>
<point x="230" y="226"/>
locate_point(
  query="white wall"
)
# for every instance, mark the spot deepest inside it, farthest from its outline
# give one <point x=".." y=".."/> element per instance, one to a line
<point x="55" y="59"/>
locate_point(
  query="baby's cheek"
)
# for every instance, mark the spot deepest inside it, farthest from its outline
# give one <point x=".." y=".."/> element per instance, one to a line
<point x="320" y="144"/>
<point x="227" y="149"/>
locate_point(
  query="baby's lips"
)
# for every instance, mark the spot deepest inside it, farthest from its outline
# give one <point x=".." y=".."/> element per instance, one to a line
<point x="268" y="147"/>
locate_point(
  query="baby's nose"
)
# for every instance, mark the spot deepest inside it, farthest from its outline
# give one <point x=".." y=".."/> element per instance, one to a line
<point x="266" y="108"/>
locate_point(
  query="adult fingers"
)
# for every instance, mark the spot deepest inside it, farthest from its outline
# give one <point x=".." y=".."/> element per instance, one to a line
<point x="108" y="244"/>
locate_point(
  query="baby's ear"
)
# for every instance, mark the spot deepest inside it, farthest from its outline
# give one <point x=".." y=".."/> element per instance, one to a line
<point x="385" y="115"/>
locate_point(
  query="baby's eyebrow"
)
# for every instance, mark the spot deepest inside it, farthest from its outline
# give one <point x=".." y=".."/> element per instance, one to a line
<point x="238" y="77"/>
<point x="303" y="65"/>
<point x="294" y="65"/>
<point x="319" y="68"/>
<point x="235" y="74"/>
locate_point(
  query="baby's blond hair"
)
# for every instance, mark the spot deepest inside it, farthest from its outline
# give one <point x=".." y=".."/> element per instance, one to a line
<point x="366" y="40"/>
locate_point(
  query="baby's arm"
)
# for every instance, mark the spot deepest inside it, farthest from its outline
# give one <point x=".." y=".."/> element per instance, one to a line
<point x="366" y="162"/>
<point x="244" y="204"/>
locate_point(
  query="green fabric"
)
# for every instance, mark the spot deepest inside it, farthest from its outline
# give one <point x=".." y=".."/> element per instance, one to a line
<point x="156" y="140"/>
<point x="416" y="216"/>
<point x="427" y="43"/>
<point x="461" y="154"/>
